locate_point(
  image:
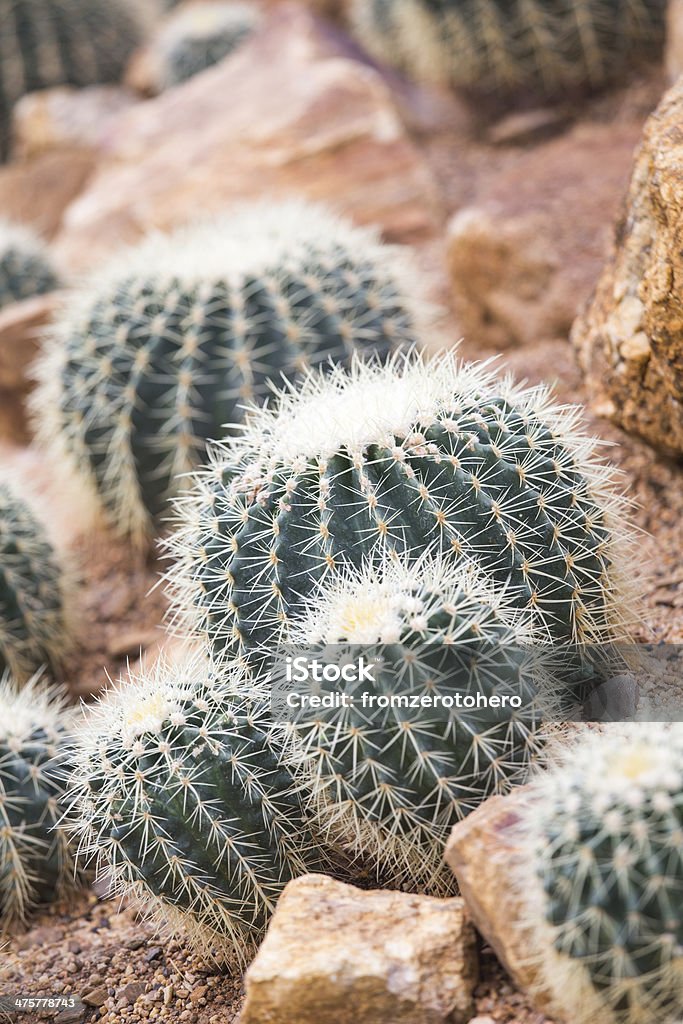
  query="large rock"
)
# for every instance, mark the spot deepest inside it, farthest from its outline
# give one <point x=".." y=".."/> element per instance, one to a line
<point x="67" y="118"/>
<point x="335" y="954"/>
<point x="289" y="113"/>
<point x="630" y="340"/>
<point x="525" y="256"/>
<point x="37" y="191"/>
<point x="21" y="326"/>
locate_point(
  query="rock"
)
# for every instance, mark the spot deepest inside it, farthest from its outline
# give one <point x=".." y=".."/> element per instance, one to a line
<point x="65" y="117"/>
<point x="38" y="191"/>
<point x="335" y="954"/>
<point x="526" y="256"/>
<point x="527" y="126"/>
<point x="334" y="135"/>
<point x="674" y="40"/>
<point x="630" y="340"/>
<point x="476" y="849"/>
<point x="96" y="997"/>
<point x="21" y="325"/>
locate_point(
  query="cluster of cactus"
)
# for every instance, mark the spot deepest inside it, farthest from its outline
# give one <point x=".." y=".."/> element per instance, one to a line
<point x="600" y="876"/>
<point x="25" y="266"/>
<point x="33" y="592"/>
<point x="179" y="793"/>
<point x="162" y="351"/>
<point x="36" y="863"/>
<point x="413" y="455"/>
<point x="415" y="748"/>
<point x="201" y="36"/>
<point x="507" y="47"/>
<point x="61" y="42"/>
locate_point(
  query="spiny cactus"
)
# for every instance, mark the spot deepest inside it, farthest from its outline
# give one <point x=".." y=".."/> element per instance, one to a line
<point x="600" y="876"/>
<point x="61" y="42"/>
<point x="36" y="864"/>
<point x="160" y="353"/>
<point x="508" y="46"/>
<point x="201" y="36"/>
<point x="25" y="266"/>
<point x="33" y="591"/>
<point x="178" y="794"/>
<point x="414" y="455"/>
<point x="451" y="716"/>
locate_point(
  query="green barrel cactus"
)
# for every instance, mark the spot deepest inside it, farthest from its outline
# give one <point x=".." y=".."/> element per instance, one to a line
<point x="61" y="42"/>
<point x="508" y="47"/>
<point x="25" y="266"/>
<point x="451" y="713"/>
<point x="33" y="592"/>
<point x="178" y="795"/>
<point x="600" y="876"/>
<point x="415" y="455"/>
<point x="36" y="863"/>
<point x="161" y="352"/>
<point x="201" y="36"/>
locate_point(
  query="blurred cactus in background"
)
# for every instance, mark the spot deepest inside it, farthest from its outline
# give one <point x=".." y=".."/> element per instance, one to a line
<point x="202" y="35"/>
<point x="25" y="266"/>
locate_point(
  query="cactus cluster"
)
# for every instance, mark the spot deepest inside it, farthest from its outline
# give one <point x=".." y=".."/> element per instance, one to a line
<point x="25" y="266"/>
<point x="161" y="352"/>
<point x="36" y="863"/>
<point x="418" y="748"/>
<point x="414" y="455"/>
<point x="179" y="795"/>
<point x="600" y="876"/>
<point x="33" y="591"/>
<point x="61" y="42"/>
<point x="201" y="36"/>
<point x="507" y="47"/>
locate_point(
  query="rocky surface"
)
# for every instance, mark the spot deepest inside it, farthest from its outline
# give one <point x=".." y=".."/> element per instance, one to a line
<point x="335" y="954"/>
<point x="21" y="326"/>
<point x="630" y="340"/>
<point x="674" y="40"/>
<point x="66" y="118"/>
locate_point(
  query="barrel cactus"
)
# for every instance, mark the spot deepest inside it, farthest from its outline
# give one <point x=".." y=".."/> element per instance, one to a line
<point x="600" y="876"/>
<point x="504" y="47"/>
<point x="160" y="353"/>
<point x="61" y="42"/>
<point x="200" y="36"/>
<point x="33" y="591"/>
<point x="178" y="794"/>
<point x="450" y="713"/>
<point x="36" y="864"/>
<point x="416" y="454"/>
<point x="25" y="266"/>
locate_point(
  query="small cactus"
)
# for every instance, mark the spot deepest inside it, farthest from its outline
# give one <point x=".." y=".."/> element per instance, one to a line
<point x="36" y="864"/>
<point x="600" y="876"/>
<point x="414" y="455"/>
<point x="159" y="354"/>
<point x="33" y="592"/>
<point x="417" y="748"/>
<point x="61" y="42"/>
<point x="506" y="47"/>
<point x="201" y="36"/>
<point x="178" y="794"/>
<point x="25" y="266"/>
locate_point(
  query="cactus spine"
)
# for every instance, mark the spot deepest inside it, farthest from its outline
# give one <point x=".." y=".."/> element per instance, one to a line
<point x="420" y="746"/>
<point x="61" y="42"/>
<point x="36" y="864"/>
<point x="160" y="353"/>
<point x="505" y="47"/>
<point x="33" y="592"/>
<point x="415" y="455"/>
<point x="25" y="267"/>
<point x="600" y="876"/>
<point x="201" y="36"/>
<point x="179" y="796"/>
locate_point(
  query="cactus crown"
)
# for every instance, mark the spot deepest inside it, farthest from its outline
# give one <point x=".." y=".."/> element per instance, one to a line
<point x="35" y="861"/>
<point x="387" y="782"/>
<point x="201" y="36"/>
<point x="507" y="46"/>
<point x="159" y="353"/>
<point x="179" y="796"/>
<point x="420" y="454"/>
<point x="25" y="266"/>
<point x="34" y="629"/>
<point x="601" y="875"/>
